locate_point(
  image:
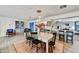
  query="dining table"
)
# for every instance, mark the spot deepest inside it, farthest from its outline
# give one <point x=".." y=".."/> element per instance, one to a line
<point x="45" y="36"/>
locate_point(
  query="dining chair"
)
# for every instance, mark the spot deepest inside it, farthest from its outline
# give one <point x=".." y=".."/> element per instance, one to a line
<point x="35" y="41"/>
<point x="62" y="35"/>
<point x="52" y="43"/>
<point x="69" y="36"/>
<point x="25" y="30"/>
<point x="34" y="35"/>
<point x="35" y="44"/>
<point x="28" y="36"/>
<point x="47" y="30"/>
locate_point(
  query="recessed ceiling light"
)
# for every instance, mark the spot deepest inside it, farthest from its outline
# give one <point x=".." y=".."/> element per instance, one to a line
<point x="63" y="6"/>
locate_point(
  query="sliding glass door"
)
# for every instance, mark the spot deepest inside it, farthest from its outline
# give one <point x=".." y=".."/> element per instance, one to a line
<point x="77" y="26"/>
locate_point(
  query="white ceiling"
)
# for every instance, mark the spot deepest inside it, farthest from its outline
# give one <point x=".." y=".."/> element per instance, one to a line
<point x="26" y="11"/>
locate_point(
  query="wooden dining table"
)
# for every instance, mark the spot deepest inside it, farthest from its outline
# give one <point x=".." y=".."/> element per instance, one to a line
<point x="44" y="36"/>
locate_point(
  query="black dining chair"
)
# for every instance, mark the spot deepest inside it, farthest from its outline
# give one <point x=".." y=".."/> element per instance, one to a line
<point x="62" y="35"/>
<point x="47" y="30"/>
<point x="34" y="35"/>
<point x="52" y="43"/>
<point x="35" y="43"/>
<point x="69" y="36"/>
<point x="27" y="30"/>
<point x="28" y="36"/>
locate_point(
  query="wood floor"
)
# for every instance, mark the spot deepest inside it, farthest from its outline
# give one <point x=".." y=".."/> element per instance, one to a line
<point x="6" y="45"/>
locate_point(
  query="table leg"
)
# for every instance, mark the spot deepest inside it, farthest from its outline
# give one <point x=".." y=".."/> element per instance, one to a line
<point x="65" y="36"/>
<point x="46" y="47"/>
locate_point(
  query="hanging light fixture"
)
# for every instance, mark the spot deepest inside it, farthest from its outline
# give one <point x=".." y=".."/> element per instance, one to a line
<point x="39" y="11"/>
<point x="39" y="15"/>
<point x="63" y="6"/>
<point x="39" y="22"/>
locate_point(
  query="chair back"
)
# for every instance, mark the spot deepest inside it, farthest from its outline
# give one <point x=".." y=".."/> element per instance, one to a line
<point x="61" y="32"/>
<point x="28" y="32"/>
<point x="69" y="33"/>
<point x="34" y="35"/>
<point x="54" y="34"/>
<point x="47" y="30"/>
<point x="25" y="30"/>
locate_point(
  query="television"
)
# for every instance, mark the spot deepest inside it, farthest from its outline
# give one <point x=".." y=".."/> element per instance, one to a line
<point x="9" y="30"/>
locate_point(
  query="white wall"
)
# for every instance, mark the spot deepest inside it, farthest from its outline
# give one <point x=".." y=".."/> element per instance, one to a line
<point x="6" y="23"/>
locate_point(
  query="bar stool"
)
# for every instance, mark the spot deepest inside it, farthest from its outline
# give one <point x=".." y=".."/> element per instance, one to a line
<point x="61" y="35"/>
<point x="52" y="43"/>
<point x="69" y="36"/>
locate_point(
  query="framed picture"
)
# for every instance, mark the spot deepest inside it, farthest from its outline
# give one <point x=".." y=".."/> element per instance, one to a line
<point x="19" y="24"/>
<point x="22" y="24"/>
<point x="16" y="24"/>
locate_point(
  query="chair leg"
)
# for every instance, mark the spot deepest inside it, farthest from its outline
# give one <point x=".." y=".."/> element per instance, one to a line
<point x="50" y="49"/>
<point x="59" y="37"/>
<point x="63" y="40"/>
<point x="36" y="48"/>
<point x="72" y="40"/>
<point x="29" y="42"/>
<point x="43" y="46"/>
<point x="32" y="44"/>
<point x="66" y="40"/>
